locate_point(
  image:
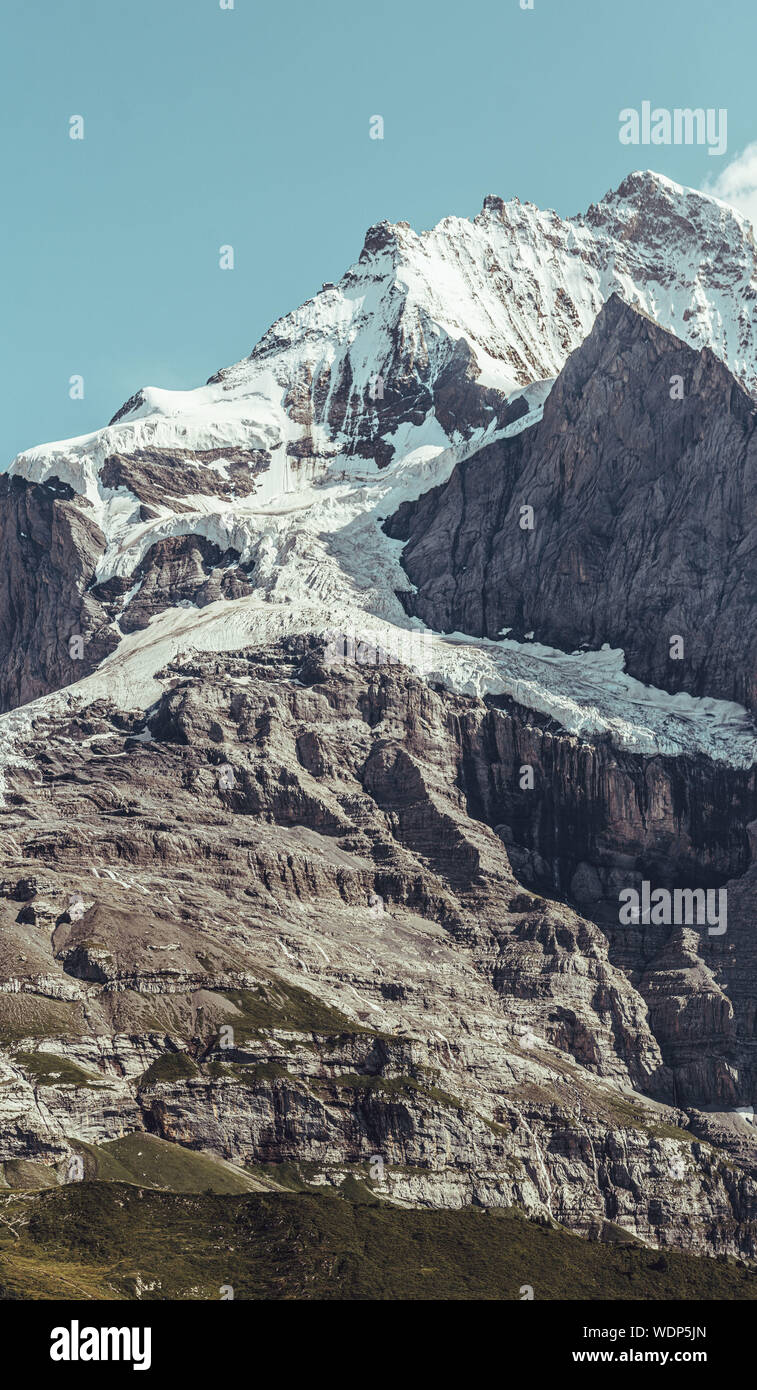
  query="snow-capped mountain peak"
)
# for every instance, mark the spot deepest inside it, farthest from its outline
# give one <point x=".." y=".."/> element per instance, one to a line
<point x="432" y="345"/>
<point x="488" y="305"/>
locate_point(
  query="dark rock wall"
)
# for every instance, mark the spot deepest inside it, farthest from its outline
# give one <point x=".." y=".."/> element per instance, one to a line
<point x="644" y="517"/>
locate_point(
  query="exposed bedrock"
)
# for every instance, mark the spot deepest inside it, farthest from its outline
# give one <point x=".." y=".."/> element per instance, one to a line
<point x="159" y="475"/>
<point x="597" y="821"/>
<point x="401" y="392"/>
<point x="179" y="569"/>
<point x="303" y="855"/>
<point x="57" y="622"/>
<point x="581" y="818"/>
<point x="52" y="630"/>
<point x="642" y="480"/>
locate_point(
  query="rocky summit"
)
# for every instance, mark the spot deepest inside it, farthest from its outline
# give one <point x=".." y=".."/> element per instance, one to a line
<point x="343" y="698"/>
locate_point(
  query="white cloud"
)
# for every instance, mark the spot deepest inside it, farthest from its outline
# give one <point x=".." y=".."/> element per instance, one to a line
<point x="737" y="184"/>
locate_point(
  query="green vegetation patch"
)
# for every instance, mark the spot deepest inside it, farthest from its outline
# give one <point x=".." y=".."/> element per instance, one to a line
<point x="249" y="1074"/>
<point x="24" y="1174"/>
<point x="97" y="1240"/>
<point x="279" y="1005"/>
<point x="46" y="1069"/>
<point x="395" y="1087"/>
<point x="616" y="1111"/>
<point x="148" y="1161"/>
<point x="296" y="1176"/>
<point x="624" y="1112"/>
<point x="31" y="1016"/>
<point x="170" y="1066"/>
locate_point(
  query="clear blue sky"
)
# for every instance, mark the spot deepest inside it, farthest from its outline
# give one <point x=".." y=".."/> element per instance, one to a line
<point x="250" y="126"/>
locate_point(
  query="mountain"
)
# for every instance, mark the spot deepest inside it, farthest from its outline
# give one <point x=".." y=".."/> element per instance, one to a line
<point x="275" y="892"/>
<point x="643" y="524"/>
<point x="283" y="468"/>
<point x="453" y="321"/>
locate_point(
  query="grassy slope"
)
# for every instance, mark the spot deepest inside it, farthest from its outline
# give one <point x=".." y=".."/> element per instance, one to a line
<point x="92" y="1240"/>
<point x="146" y="1160"/>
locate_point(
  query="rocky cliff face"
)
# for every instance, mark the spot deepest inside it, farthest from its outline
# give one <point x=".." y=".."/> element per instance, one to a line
<point x="627" y="516"/>
<point x="589" y="818"/>
<point x="271" y="920"/>
<point x="52" y="630"/>
<point x="57" y="623"/>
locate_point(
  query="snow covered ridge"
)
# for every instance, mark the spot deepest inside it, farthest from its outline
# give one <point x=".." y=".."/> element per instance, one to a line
<point x="516" y="288"/>
<point x="458" y="323"/>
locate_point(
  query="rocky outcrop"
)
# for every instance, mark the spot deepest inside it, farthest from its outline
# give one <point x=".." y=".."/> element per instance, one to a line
<point x="581" y="819"/>
<point x="52" y="630"/>
<point x="627" y="516"/>
<point x="410" y="384"/>
<point x="57" y="622"/>
<point x="178" y="570"/>
<point x="159" y="475"/>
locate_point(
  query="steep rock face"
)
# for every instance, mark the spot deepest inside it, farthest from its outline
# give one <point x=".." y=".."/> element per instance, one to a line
<point x="588" y="819"/>
<point x="273" y="908"/>
<point x="178" y="570"/>
<point x="52" y="630"/>
<point x="644" y="524"/>
<point x="700" y="993"/>
<point x="57" y="622"/>
<point x="261" y="921"/>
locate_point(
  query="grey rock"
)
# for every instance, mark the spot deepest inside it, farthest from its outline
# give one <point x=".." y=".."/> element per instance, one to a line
<point x="645" y="517"/>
